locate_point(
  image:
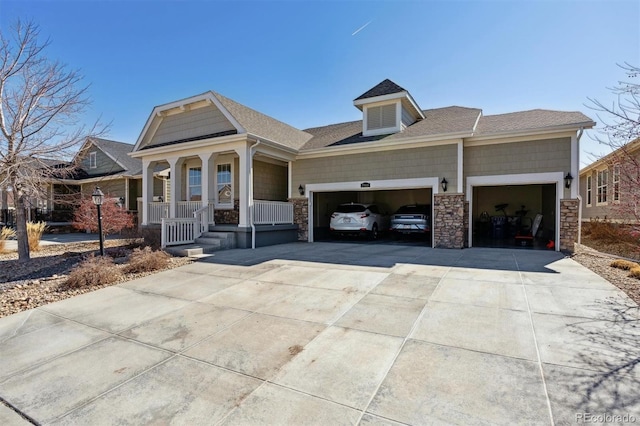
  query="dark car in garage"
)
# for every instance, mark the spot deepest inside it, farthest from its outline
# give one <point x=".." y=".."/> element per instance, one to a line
<point x="411" y="219"/>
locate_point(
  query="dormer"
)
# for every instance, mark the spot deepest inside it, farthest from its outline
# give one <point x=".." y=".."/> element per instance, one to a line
<point x="387" y="108"/>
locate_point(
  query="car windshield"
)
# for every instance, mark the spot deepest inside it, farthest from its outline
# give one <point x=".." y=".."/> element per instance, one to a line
<point x="412" y="210"/>
<point x="350" y="208"/>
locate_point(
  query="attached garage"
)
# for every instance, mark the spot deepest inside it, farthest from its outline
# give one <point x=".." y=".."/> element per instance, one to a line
<point x="389" y="194"/>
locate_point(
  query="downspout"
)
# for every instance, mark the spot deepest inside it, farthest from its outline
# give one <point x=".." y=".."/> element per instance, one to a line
<point x="253" y="226"/>
<point x="579" y="196"/>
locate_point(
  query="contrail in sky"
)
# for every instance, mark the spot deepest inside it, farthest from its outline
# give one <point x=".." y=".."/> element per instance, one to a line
<point x="361" y="28"/>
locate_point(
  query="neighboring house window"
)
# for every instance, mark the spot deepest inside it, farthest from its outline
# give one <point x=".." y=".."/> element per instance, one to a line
<point x="93" y="163"/>
<point x="616" y="182"/>
<point x="195" y="184"/>
<point x="603" y="177"/>
<point x="589" y="183"/>
<point x="381" y="117"/>
<point x="224" y="184"/>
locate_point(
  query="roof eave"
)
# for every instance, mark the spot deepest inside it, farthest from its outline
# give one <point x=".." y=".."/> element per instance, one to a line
<point x="533" y="131"/>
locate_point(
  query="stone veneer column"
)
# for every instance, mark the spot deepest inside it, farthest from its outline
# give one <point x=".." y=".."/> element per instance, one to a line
<point x="448" y="221"/>
<point x="569" y="224"/>
<point x="301" y="217"/>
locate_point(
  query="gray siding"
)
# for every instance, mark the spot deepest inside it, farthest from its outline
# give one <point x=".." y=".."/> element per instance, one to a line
<point x="104" y="164"/>
<point x="551" y="155"/>
<point x="113" y="188"/>
<point x="269" y="181"/>
<point x="437" y="161"/>
<point x="612" y="210"/>
<point x="199" y="122"/>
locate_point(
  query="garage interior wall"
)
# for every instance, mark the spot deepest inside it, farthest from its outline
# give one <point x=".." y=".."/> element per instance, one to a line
<point x="534" y="198"/>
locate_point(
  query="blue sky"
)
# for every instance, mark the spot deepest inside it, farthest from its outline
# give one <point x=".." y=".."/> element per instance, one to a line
<point x="300" y="62"/>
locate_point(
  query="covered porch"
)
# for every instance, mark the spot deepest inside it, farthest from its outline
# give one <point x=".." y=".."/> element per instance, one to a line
<point x="237" y="186"/>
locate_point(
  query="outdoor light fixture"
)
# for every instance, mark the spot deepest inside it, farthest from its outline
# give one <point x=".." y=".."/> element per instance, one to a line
<point x="98" y="198"/>
<point x="301" y="189"/>
<point x="567" y="180"/>
<point x="444" y="184"/>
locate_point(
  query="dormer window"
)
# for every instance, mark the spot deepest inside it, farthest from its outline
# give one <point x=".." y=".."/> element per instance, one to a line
<point x="387" y="108"/>
<point x="93" y="163"/>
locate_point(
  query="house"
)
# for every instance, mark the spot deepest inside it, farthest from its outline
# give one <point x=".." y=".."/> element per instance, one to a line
<point x="610" y="186"/>
<point x="234" y="169"/>
<point x="98" y="162"/>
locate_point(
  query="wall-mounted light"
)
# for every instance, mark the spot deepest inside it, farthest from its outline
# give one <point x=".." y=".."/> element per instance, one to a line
<point x="301" y="189"/>
<point x="567" y="180"/>
<point x="444" y="183"/>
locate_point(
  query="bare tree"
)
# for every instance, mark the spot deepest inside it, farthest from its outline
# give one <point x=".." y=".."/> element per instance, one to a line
<point x="41" y="102"/>
<point x="621" y="133"/>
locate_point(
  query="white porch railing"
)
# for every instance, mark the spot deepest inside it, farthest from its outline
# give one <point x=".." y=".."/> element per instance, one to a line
<point x="272" y="212"/>
<point x="158" y="211"/>
<point x="186" y="208"/>
<point x="179" y="231"/>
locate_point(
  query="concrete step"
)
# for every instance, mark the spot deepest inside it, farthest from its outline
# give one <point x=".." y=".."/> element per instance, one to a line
<point x="192" y="250"/>
<point x="227" y="239"/>
<point x="220" y="235"/>
<point x="209" y="241"/>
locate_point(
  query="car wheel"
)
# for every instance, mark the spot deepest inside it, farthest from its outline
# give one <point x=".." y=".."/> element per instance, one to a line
<point x="374" y="232"/>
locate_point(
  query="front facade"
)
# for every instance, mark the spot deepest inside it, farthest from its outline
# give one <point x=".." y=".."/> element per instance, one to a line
<point x="609" y="187"/>
<point x="235" y="167"/>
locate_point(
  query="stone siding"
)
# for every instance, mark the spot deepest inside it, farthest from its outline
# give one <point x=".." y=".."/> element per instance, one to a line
<point x="228" y="216"/>
<point x="301" y="217"/>
<point x="569" y="224"/>
<point x="448" y="221"/>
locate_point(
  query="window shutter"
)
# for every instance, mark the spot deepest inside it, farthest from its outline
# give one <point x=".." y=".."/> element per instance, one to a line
<point x="388" y="115"/>
<point x="381" y="117"/>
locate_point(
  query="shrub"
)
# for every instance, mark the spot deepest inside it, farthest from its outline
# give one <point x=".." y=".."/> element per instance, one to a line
<point x="152" y="238"/>
<point x="5" y="234"/>
<point x="147" y="260"/>
<point x="34" y="233"/>
<point x="635" y="273"/>
<point x="114" y="218"/>
<point x="94" y="271"/>
<point x="624" y="264"/>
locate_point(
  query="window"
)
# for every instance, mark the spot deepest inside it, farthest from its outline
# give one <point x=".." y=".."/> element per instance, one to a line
<point x="616" y="182"/>
<point x="603" y="177"/>
<point x="93" y="163"/>
<point x="381" y="117"/>
<point x="224" y="184"/>
<point x="589" y="183"/>
<point x="195" y="184"/>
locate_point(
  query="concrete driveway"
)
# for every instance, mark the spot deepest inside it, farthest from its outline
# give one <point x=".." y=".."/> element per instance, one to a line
<point x="332" y="333"/>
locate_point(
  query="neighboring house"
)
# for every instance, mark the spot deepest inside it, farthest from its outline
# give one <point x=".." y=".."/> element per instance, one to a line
<point x="99" y="163"/>
<point x="243" y="171"/>
<point x="609" y="187"/>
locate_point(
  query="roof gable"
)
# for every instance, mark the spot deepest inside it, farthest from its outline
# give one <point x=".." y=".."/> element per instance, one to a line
<point x="385" y="87"/>
<point x="115" y="151"/>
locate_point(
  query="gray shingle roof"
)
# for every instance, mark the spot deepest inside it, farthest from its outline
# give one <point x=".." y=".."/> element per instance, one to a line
<point x="262" y="125"/>
<point x="385" y="87"/>
<point x="529" y="120"/>
<point x="119" y="151"/>
<point x="439" y="121"/>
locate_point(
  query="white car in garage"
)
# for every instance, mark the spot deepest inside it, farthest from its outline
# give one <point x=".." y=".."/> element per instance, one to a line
<point x="358" y="219"/>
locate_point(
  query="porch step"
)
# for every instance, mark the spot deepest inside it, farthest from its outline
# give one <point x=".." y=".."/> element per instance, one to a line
<point x="207" y="243"/>
<point x="192" y="250"/>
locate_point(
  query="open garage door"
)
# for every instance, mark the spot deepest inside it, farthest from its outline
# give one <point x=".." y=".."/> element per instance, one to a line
<point x="390" y="195"/>
<point x="514" y="216"/>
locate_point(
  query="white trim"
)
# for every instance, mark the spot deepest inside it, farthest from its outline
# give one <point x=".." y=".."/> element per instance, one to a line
<point x="535" y="131"/>
<point x="289" y="178"/>
<point x="497" y="139"/>
<point x="589" y="189"/>
<point x="575" y="167"/>
<point x="404" y="95"/>
<point x="93" y="160"/>
<point x="613" y="183"/>
<point x="374" y="185"/>
<point x="606" y="187"/>
<point x="460" y="176"/>
<point x="516" y="179"/>
<point x="203" y="143"/>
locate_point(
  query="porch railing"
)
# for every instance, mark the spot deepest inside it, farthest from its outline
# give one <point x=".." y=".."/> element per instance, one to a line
<point x="158" y="211"/>
<point x="272" y="212"/>
<point x="179" y="231"/>
<point x="186" y="208"/>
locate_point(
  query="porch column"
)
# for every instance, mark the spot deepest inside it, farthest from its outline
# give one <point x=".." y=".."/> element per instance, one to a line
<point x="147" y="188"/>
<point x="245" y="181"/>
<point x="208" y="160"/>
<point x="175" y="164"/>
<point x="126" y="194"/>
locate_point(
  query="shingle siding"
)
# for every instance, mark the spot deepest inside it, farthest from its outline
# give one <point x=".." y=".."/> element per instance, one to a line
<point x="190" y="124"/>
<point x="551" y="155"/>
<point x="400" y="164"/>
<point x="269" y="181"/>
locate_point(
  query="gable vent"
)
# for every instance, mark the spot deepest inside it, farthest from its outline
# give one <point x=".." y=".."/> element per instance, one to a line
<point x="381" y="117"/>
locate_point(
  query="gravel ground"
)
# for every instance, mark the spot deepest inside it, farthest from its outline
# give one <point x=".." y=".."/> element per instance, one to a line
<point x="39" y="282"/>
<point x="599" y="263"/>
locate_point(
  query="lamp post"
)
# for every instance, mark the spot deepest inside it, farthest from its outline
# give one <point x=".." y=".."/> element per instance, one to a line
<point x="98" y="198"/>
